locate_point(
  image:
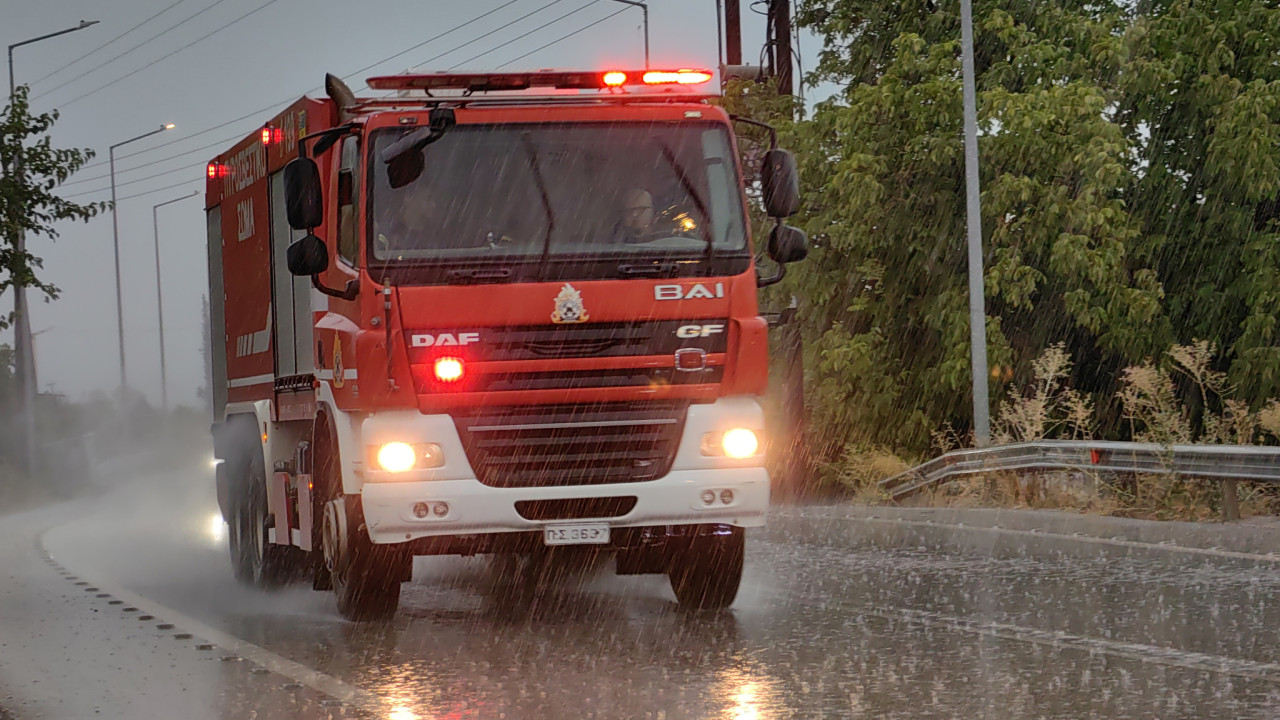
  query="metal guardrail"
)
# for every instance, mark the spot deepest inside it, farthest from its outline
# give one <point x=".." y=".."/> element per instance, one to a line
<point x="1223" y="462"/>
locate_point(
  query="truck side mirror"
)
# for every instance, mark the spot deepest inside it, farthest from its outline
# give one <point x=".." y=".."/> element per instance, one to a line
<point x="781" y="184"/>
<point x="787" y="244"/>
<point x="303" y="201"/>
<point x="307" y="256"/>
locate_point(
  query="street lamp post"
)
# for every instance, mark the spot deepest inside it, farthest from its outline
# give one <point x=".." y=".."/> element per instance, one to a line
<point x="115" y="240"/>
<point x="645" y="8"/>
<point x="155" y="221"/>
<point x="24" y="355"/>
<point x="973" y="212"/>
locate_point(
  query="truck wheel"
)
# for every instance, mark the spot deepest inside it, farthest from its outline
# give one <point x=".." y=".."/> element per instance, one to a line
<point x="239" y="565"/>
<point x="255" y="559"/>
<point x="365" y="577"/>
<point x="706" y="575"/>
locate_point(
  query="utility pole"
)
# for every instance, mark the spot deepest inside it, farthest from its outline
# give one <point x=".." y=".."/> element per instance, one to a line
<point x="115" y="242"/>
<point x="645" y="8"/>
<point x="973" y="212"/>
<point x="24" y="360"/>
<point x="732" y="33"/>
<point x="792" y="340"/>
<point x="155" y="223"/>
<point x="781" y="10"/>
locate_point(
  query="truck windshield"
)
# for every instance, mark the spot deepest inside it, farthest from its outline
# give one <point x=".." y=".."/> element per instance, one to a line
<point x="612" y="190"/>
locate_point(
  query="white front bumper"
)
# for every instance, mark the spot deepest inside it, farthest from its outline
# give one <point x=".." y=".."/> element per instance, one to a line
<point x="475" y="508"/>
<point x="478" y="509"/>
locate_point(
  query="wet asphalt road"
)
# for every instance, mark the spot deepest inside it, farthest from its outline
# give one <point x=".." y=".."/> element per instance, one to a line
<point x="838" y="617"/>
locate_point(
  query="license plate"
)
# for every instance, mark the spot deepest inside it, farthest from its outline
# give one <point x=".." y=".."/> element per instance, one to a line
<point x="585" y="534"/>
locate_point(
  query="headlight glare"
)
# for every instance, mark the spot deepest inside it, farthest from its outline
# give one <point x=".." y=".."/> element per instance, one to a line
<point x="396" y="457"/>
<point x="740" y="443"/>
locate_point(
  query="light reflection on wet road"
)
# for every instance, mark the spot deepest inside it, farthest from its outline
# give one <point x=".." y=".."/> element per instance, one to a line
<point x="837" y="618"/>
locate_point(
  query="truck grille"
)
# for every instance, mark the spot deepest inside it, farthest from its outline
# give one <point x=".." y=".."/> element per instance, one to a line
<point x="614" y="339"/>
<point x="558" y="445"/>
<point x="570" y="380"/>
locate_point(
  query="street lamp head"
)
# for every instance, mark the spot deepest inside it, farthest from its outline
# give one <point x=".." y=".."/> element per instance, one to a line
<point x="86" y="23"/>
<point x="169" y="126"/>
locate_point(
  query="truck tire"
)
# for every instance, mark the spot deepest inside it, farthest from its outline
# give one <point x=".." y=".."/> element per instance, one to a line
<point x="706" y="574"/>
<point x="254" y="559"/>
<point x="365" y="577"/>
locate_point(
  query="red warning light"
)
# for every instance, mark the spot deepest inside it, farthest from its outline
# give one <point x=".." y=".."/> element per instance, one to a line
<point x="614" y="78"/>
<point x="218" y="170"/>
<point x="448" y="369"/>
<point x="272" y="135"/>
<point x="678" y="77"/>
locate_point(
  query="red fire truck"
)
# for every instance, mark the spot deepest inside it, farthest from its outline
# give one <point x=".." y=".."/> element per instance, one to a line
<point x="492" y="313"/>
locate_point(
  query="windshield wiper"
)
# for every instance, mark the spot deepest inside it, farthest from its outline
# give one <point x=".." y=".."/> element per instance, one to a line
<point x="526" y="140"/>
<point x="698" y="202"/>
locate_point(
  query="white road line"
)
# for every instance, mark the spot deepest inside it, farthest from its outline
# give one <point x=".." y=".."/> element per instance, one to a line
<point x="348" y="694"/>
<point x="1202" y="662"/>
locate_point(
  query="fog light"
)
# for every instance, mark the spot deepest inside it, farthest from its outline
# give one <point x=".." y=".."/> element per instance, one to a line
<point x="708" y="497"/>
<point x="726" y="496"/>
<point x="740" y="443"/>
<point x="421" y="510"/>
<point x="441" y="509"/>
<point x="396" y="457"/>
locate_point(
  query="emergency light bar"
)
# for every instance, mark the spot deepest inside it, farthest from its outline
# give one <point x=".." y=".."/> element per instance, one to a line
<point x="560" y="80"/>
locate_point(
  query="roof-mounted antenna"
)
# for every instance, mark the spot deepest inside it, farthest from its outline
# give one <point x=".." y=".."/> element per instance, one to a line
<point x="341" y="94"/>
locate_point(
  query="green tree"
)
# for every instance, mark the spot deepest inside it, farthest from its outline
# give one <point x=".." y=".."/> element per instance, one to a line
<point x="1201" y="107"/>
<point x="28" y="204"/>
<point x="886" y="289"/>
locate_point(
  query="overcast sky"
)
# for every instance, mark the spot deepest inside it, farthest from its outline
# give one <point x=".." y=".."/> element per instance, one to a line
<point x="205" y="65"/>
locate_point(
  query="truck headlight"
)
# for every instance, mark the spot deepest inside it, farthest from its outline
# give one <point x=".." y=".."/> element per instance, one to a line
<point x="398" y="457"/>
<point x="738" y="443"/>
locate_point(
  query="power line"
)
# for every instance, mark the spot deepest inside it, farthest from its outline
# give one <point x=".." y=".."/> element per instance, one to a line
<point x="139" y="194"/>
<point x="290" y="99"/>
<point x="215" y="4"/>
<point x="126" y="32"/>
<point x="562" y="37"/>
<point x="527" y="34"/>
<point x="151" y="192"/>
<point x="191" y="136"/>
<point x="214" y="144"/>
<point x="455" y="28"/>
<point x="491" y="32"/>
<point x="197" y="41"/>
<point x="274" y="105"/>
<point x="136" y="180"/>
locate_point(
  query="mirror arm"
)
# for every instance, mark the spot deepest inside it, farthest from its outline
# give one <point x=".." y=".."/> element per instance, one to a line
<point x="763" y="282"/>
<point x="348" y="293"/>
<point x="332" y="134"/>
<point x="773" y="132"/>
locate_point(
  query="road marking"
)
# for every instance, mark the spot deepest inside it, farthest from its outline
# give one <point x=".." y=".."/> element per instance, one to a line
<point x="346" y="693"/>
<point x="1202" y="662"/>
<point x="1114" y="542"/>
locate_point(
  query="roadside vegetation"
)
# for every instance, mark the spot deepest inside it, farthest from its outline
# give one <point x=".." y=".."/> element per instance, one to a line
<point x="1130" y="170"/>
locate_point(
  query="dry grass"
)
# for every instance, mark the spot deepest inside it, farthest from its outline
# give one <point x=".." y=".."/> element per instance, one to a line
<point x="1036" y="491"/>
<point x="1049" y="408"/>
<point x="1151" y="397"/>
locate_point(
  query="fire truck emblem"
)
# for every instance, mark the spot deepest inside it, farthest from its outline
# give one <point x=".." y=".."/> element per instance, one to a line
<point x="569" y="307"/>
<point x="338" y="371"/>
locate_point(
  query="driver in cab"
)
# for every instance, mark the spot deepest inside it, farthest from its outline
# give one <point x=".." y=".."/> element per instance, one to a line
<point x="403" y="223"/>
<point x="636" y="222"/>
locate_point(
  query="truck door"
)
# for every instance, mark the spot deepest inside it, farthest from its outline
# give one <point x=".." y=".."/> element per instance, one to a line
<point x="290" y="296"/>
